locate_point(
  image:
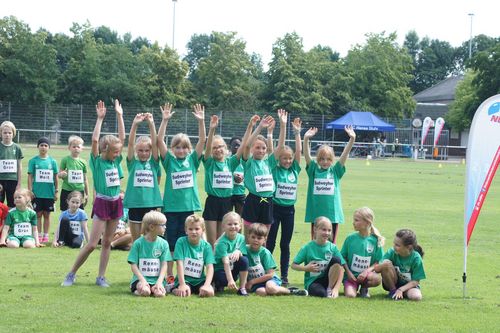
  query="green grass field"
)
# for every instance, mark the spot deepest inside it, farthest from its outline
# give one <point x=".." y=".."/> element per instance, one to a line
<point x="427" y="197"/>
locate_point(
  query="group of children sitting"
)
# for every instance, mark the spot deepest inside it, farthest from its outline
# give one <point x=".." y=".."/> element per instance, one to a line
<point x="209" y="251"/>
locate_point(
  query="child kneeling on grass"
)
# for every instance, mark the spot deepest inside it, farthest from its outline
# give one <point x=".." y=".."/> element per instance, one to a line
<point x="262" y="278"/>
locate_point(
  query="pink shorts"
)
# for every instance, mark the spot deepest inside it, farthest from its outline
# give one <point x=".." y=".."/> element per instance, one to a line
<point x="354" y="285"/>
<point x="107" y="210"/>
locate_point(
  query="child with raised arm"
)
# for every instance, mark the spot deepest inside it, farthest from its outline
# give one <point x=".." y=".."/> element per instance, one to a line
<point x="262" y="278"/>
<point x="361" y="251"/>
<point x="149" y="256"/>
<point x="402" y="267"/>
<point x="218" y="181"/>
<point x="180" y="197"/>
<point x="10" y="163"/>
<point x="230" y="260"/>
<point x="285" y="166"/>
<point x="323" y="191"/>
<point x="20" y="228"/>
<point x="72" y="229"/>
<point x="143" y="193"/>
<point x="258" y="206"/>
<point x="104" y="163"/>
<point x="73" y="172"/>
<point x="322" y="262"/>
<point x="42" y="181"/>
<point x="193" y="255"/>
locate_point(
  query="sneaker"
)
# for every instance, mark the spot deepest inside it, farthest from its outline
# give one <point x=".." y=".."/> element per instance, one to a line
<point x="101" y="282"/>
<point x="284" y="281"/>
<point x="363" y="293"/>
<point x="298" y="292"/>
<point x="69" y="280"/>
<point x="242" y="292"/>
<point x="170" y="283"/>
<point x="45" y="239"/>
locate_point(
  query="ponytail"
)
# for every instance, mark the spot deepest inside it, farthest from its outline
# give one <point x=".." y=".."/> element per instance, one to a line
<point x="408" y="238"/>
<point x="367" y="215"/>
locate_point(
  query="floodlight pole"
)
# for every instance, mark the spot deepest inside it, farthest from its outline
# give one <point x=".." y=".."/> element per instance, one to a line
<point x="173" y="26"/>
<point x="470" y="38"/>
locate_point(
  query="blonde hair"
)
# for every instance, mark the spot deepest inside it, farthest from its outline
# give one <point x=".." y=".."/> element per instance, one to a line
<point x="231" y="215"/>
<point x="191" y="219"/>
<point x="258" y="229"/>
<point x="260" y="137"/>
<point x="368" y="216"/>
<point x="75" y="139"/>
<point x="286" y="149"/>
<point x="325" y="150"/>
<point x="218" y="137"/>
<point x="181" y="139"/>
<point x="144" y="139"/>
<point x="10" y="125"/>
<point x="75" y="194"/>
<point x="152" y="217"/>
<point x="322" y="221"/>
<point x="106" y="141"/>
<point x="27" y="194"/>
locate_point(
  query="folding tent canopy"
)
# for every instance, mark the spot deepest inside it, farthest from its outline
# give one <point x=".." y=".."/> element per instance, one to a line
<point x="361" y="121"/>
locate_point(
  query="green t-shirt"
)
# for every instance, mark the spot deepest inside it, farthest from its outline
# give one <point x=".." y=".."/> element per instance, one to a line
<point x="409" y="268"/>
<point x="285" y="181"/>
<point x="148" y="256"/>
<point x="9" y="155"/>
<point x="219" y="176"/>
<point x="77" y="170"/>
<point x="43" y="171"/>
<point x="361" y="252"/>
<point x="107" y="175"/>
<point x="195" y="258"/>
<point x="20" y="222"/>
<point x="225" y="247"/>
<point x="239" y="188"/>
<point x="323" y="193"/>
<point x="181" y="187"/>
<point x="142" y="185"/>
<point x="258" y="177"/>
<point x="320" y="254"/>
<point x="259" y="263"/>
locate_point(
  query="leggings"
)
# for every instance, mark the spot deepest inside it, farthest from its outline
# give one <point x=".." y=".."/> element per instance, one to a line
<point x="67" y="236"/>
<point x="319" y="286"/>
<point x="283" y="215"/>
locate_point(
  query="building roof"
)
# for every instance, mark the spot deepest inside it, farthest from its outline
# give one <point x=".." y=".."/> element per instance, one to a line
<point x="443" y="92"/>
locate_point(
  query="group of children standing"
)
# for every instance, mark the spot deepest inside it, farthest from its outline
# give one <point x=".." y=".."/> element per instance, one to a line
<point x="209" y="251"/>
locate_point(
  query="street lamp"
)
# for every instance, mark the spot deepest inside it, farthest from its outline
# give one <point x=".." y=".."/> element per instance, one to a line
<point x="470" y="39"/>
<point x="173" y="26"/>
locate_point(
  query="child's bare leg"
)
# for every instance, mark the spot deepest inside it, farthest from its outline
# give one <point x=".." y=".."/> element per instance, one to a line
<point x="46" y="222"/>
<point x="261" y="291"/>
<point x="12" y="244"/>
<point x="389" y="275"/>
<point x="335" y="275"/>
<point x="109" y="231"/>
<point x="123" y="241"/>
<point x="273" y="289"/>
<point x="414" y="294"/>
<point x="135" y="230"/>
<point x="350" y="291"/>
<point x="143" y="290"/>
<point x="39" y="223"/>
<point x="211" y="229"/>
<point x="373" y="280"/>
<point x="243" y="278"/>
<point x="95" y="235"/>
<point x="170" y="266"/>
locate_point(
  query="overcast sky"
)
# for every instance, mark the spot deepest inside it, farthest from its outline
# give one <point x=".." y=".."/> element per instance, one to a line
<point x="338" y="24"/>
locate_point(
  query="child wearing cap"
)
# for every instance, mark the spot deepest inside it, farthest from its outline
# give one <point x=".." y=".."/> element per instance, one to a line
<point x="42" y="181"/>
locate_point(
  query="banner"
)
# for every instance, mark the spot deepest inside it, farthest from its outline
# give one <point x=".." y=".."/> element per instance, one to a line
<point x="425" y="129"/>
<point x="438" y="127"/>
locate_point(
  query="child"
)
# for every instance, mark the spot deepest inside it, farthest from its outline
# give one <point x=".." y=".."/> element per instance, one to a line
<point x="193" y="254"/>
<point x="149" y="256"/>
<point x="322" y="262"/>
<point x="72" y="223"/>
<point x="258" y="206"/>
<point x="143" y="193"/>
<point x="285" y="168"/>
<point x="218" y="181"/>
<point x="261" y="271"/>
<point x="402" y="267"/>
<point x="238" y="195"/>
<point x="230" y="260"/>
<point x="42" y="181"/>
<point x="105" y="159"/>
<point x="20" y="224"/>
<point x="73" y="172"/>
<point x="362" y="250"/>
<point x="10" y="163"/>
<point x="180" y="197"/>
<point x="323" y="191"/>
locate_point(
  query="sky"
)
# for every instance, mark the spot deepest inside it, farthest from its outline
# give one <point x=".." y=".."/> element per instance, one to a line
<point x="337" y="24"/>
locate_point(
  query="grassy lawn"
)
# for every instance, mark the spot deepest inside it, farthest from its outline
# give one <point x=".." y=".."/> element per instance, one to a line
<point x="427" y="197"/>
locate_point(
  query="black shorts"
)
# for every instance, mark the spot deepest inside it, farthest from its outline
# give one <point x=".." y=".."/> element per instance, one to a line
<point x="258" y="209"/>
<point x="63" y="200"/>
<point x="43" y="205"/>
<point x="238" y="199"/>
<point x="216" y="208"/>
<point x="135" y="215"/>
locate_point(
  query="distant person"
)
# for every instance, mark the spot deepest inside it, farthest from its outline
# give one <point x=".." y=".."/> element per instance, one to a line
<point x="394" y="147"/>
<point x="10" y="163"/>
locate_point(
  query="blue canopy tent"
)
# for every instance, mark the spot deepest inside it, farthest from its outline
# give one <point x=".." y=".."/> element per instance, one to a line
<point x="361" y="121"/>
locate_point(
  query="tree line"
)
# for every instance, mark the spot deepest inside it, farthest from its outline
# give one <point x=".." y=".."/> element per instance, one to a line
<point x="379" y="75"/>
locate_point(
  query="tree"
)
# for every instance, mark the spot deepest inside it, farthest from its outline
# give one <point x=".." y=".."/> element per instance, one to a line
<point x="479" y="43"/>
<point x="465" y="104"/>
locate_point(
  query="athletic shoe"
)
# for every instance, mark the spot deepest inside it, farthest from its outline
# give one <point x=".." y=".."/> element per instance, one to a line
<point x="69" y="280"/>
<point x="45" y="239"/>
<point x="101" y="282"/>
<point x="298" y="292"/>
<point x="284" y="281"/>
<point x="170" y="283"/>
<point x="329" y="293"/>
<point x="242" y="292"/>
<point x="363" y="293"/>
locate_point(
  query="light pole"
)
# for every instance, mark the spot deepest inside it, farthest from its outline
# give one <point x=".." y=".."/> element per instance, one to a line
<point x="470" y="39"/>
<point x="173" y="26"/>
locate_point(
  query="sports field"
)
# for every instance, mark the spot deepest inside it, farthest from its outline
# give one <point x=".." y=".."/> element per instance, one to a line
<point x="427" y="197"/>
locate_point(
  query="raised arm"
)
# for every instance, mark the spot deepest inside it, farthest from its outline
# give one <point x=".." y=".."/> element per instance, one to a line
<point x="348" y="147"/>
<point x="199" y="114"/>
<point x="255" y="118"/>
<point x="297" y="127"/>
<point x="100" y="109"/>
<point x="264" y="123"/>
<point x="166" y="114"/>
<point x="307" y="149"/>
<point x="131" y="137"/>
<point x="152" y="133"/>
<point x="214" y="121"/>
<point x="270" y="143"/>
<point x="283" y="118"/>
<point x="121" y="124"/>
